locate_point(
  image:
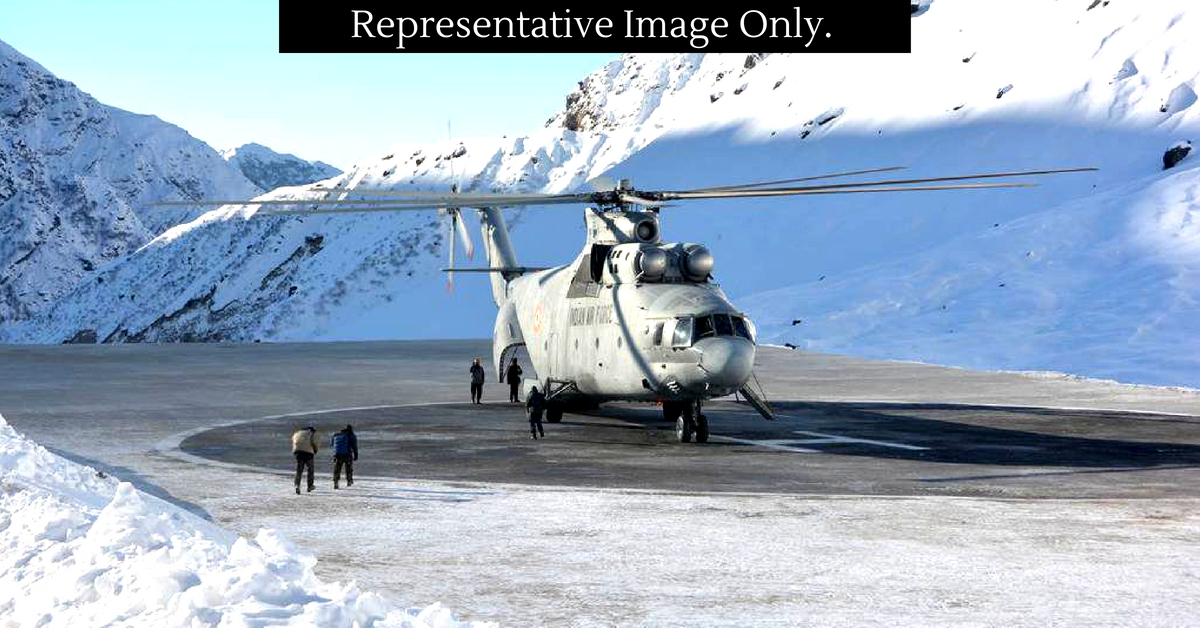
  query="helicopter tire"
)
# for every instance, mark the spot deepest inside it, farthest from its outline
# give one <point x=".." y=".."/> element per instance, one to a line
<point x="701" y="429"/>
<point x="683" y="428"/>
<point x="554" y="413"/>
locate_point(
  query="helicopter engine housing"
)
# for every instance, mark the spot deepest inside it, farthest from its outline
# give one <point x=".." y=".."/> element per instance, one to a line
<point x="696" y="262"/>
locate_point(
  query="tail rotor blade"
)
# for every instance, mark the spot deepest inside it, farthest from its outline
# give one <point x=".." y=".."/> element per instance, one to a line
<point x="450" y="276"/>
<point x="461" y="226"/>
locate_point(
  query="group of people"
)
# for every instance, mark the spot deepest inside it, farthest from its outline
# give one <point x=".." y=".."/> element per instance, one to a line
<point x="512" y="375"/>
<point x="345" y="442"/>
<point x="345" y="454"/>
<point x="534" y="406"/>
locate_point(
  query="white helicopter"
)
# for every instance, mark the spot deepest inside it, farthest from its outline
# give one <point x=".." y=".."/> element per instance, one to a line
<point x="631" y="318"/>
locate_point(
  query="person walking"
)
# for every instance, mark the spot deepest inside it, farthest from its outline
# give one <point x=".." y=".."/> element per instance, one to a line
<point x="513" y="376"/>
<point x="345" y="454"/>
<point x="304" y="448"/>
<point x="476" y="382"/>
<point x="533" y="407"/>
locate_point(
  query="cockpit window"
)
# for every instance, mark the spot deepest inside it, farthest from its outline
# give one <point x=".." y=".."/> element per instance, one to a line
<point x="683" y="333"/>
<point x="741" y="329"/>
<point x="721" y="322"/>
<point x="688" y="330"/>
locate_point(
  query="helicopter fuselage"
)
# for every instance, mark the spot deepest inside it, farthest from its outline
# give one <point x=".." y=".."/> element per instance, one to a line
<point x="630" y="319"/>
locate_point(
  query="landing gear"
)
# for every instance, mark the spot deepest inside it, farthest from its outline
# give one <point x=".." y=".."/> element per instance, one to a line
<point x="701" y="428"/>
<point x="554" y="413"/>
<point x="683" y="429"/>
<point x="689" y="421"/>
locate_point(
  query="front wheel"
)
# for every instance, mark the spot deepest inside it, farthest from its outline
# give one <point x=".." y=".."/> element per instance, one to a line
<point x="702" y="429"/>
<point x="554" y="413"/>
<point x="683" y="429"/>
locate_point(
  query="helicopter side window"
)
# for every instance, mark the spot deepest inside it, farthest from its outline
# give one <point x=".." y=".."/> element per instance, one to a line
<point x="721" y="322"/>
<point x="740" y="328"/>
<point x="658" y="334"/>
<point x="683" y="333"/>
<point x="599" y="255"/>
<point x="704" y="328"/>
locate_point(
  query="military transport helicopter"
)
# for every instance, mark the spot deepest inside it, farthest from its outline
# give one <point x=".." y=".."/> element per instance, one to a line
<point x="632" y="317"/>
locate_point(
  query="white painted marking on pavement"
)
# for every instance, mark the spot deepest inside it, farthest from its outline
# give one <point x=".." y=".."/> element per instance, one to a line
<point x="816" y="438"/>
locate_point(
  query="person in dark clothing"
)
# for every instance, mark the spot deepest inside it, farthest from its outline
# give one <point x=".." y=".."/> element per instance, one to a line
<point x="304" y="448"/>
<point x="476" y="382"/>
<point x="345" y="453"/>
<point x="514" y="380"/>
<point x="533" y="407"/>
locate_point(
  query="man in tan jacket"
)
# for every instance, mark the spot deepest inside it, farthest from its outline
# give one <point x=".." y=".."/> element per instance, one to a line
<point x="304" y="447"/>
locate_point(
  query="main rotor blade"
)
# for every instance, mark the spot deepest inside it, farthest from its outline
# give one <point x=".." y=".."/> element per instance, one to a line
<point x="655" y="203"/>
<point x="894" y="182"/>
<point x="388" y="206"/>
<point x="449" y="200"/>
<point x="506" y="269"/>
<point x="872" y="190"/>
<point x="429" y="197"/>
<point x="836" y="175"/>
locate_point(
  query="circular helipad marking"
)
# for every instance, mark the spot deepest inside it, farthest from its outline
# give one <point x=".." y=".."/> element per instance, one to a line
<point x="870" y="449"/>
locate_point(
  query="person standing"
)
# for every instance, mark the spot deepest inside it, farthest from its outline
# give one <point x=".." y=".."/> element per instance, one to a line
<point x="533" y="407"/>
<point x="345" y="454"/>
<point x="513" y="376"/>
<point x="304" y="448"/>
<point x="476" y="382"/>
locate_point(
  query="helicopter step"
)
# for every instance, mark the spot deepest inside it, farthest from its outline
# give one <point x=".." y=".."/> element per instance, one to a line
<point x="758" y="402"/>
<point x="690" y="422"/>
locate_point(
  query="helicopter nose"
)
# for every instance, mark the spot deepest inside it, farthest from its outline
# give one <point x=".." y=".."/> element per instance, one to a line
<point x="726" y="361"/>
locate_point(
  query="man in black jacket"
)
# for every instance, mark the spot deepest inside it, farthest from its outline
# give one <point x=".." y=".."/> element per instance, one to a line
<point x="514" y="380"/>
<point x="533" y="407"/>
<point x="476" y="382"/>
<point x="345" y="453"/>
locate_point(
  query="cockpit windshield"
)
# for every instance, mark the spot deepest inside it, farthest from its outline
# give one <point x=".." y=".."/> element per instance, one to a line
<point x="683" y="333"/>
<point x="690" y="330"/>
<point x="740" y="328"/>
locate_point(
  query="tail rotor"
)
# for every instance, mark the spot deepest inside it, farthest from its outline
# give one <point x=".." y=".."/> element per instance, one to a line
<point x="456" y="222"/>
<point x="457" y="231"/>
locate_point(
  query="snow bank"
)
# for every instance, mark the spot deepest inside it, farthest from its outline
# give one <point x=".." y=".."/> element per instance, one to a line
<point x="80" y="548"/>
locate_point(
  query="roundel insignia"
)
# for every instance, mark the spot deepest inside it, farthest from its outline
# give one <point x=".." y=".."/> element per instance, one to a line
<point x="537" y="320"/>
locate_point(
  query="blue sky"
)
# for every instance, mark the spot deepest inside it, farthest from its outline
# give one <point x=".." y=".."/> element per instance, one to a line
<point x="211" y="67"/>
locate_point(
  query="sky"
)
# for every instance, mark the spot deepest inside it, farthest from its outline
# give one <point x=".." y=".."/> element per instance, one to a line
<point x="212" y="67"/>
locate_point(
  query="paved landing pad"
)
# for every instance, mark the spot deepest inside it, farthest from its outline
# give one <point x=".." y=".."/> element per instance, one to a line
<point x="821" y="448"/>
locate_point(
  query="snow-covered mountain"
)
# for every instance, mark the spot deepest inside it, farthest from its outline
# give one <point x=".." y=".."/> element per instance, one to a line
<point x="1098" y="270"/>
<point x="269" y="169"/>
<point x="76" y="177"/>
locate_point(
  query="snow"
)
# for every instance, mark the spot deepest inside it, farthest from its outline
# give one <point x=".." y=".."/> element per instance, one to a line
<point x="1097" y="292"/>
<point x="270" y="170"/>
<point x="76" y="177"/>
<point x="81" y="548"/>
<point x="670" y="559"/>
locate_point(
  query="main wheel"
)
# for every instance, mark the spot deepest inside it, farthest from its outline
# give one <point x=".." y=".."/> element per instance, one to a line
<point x="702" y="429"/>
<point x="683" y="429"/>
<point x="554" y="413"/>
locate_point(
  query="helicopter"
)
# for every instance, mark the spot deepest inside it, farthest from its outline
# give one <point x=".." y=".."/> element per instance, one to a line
<point x="633" y="317"/>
